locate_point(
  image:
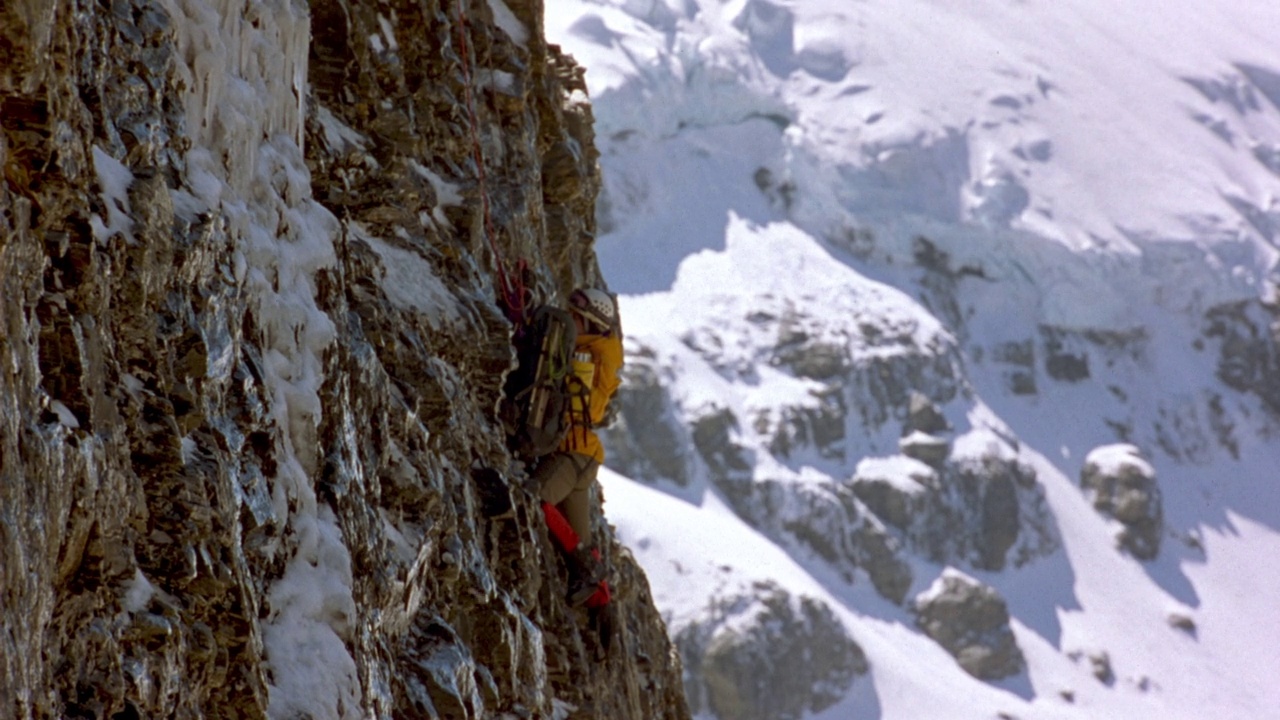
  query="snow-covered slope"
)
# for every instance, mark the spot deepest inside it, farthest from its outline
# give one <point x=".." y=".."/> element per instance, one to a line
<point x="1014" y="233"/>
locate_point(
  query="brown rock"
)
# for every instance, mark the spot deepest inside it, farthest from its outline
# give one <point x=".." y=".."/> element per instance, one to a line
<point x="254" y="357"/>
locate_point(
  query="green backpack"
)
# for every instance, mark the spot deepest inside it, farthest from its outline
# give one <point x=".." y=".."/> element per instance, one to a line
<point x="538" y="394"/>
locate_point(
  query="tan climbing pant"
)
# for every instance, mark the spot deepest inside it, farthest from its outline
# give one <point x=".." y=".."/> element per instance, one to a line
<point x="565" y="479"/>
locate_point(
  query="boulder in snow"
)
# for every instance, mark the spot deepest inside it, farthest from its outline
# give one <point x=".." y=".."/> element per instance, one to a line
<point x="894" y="488"/>
<point x="924" y="416"/>
<point x="971" y="621"/>
<point x="928" y="449"/>
<point x="1122" y="485"/>
<point x="768" y="655"/>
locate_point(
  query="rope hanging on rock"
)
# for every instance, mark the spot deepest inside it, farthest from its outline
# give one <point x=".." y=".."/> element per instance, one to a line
<point x="511" y="290"/>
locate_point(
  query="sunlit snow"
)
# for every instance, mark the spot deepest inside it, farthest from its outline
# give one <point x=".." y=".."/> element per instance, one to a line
<point x="1081" y="165"/>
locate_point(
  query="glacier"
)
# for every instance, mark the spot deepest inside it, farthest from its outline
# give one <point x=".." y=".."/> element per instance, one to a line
<point x="891" y="274"/>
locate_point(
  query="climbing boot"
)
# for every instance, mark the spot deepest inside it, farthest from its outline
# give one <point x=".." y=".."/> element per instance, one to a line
<point x="586" y="572"/>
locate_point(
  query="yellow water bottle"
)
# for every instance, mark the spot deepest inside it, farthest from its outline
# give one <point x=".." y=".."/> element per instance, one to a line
<point x="585" y="370"/>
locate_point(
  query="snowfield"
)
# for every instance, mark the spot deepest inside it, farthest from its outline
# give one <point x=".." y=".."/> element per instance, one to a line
<point x="1058" y="221"/>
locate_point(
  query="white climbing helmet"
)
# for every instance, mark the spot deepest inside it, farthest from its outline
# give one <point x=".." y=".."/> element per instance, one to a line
<point x="595" y="305"/>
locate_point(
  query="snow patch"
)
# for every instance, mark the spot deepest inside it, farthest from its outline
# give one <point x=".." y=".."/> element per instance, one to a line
<point x="65" y="416"/>
<point x="138" y="592"/>
<point x="509" y="23"/>
<point x="312" y="621"/>
<point x="245" y="69"/>
<point x="447" y="194"/>
<point x="114" y="180"/>
<point x="410" y="283"/>
<point x="1112" y="460"/>
<point x="898" y="471"/>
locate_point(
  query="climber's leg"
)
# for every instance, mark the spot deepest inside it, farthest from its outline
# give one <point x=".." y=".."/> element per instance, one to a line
<point x="577" y="504"/>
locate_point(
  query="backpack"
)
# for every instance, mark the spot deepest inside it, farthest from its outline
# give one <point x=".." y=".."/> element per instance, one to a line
<point x="537" y="394"/>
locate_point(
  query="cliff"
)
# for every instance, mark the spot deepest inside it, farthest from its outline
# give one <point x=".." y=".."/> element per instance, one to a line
<point x="251" y="462"/>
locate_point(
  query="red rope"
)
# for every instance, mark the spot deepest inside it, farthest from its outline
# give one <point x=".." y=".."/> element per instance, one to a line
<point x="512" y="291"/>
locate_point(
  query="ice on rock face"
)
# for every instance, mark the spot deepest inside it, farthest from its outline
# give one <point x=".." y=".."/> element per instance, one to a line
<point x="245" y="115"/>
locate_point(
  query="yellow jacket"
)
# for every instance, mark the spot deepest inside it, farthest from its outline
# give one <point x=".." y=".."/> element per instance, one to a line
<point x="606" y="356"/>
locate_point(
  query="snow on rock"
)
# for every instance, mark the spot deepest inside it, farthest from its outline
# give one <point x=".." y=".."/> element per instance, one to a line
<point x="971" y="621"/>
<point x="244" y="110"/>
<point x="410" y="282"/>
<point x="1122" y="485"/>
<point x="114" y="179"/>
<point x="766" y="654"/>
<point x="964" y="247"/>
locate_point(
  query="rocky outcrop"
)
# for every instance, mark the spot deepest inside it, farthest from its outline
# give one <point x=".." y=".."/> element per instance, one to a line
<point x="828" y="521"/>
<point x="768" y="655"/>
<point x="984" y="510"/>
<point x="1248" y="337"/>
<point x="968" y="500"/>
<point x="250" y="459"/>
<point x="648" y="442"/>
<point x="1122" y="486"/>
<point x="971" y="621"/>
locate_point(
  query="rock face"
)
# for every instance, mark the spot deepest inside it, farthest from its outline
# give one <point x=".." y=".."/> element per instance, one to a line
<point x="985" y="511"/>
<point x="250" y="459"/>
<point x="856" y="384"/>
<point x="769" y="655"/>
<point x="1249" y="348"/>
<point x="971" y="621"/>
<point x="1122" y="485"/>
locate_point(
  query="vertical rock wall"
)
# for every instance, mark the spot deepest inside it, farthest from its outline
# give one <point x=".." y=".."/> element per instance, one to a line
<point x="250" y="460"/>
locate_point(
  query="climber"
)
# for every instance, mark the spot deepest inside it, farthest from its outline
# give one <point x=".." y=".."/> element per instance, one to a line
<point x="565" y="476"/>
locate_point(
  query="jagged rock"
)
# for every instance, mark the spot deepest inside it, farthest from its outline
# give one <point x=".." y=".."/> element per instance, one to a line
<point x="879" y="385"/>
<point x="1099" y="664"/>
<point x="992" y="485"/>
<point x="649" y="442"/>
<point x="810" y="358"/>
<point x="713" y="436"/>
<point x="924" y="416"/>
<point x="982" y="507"/>
<point x="1248" y="336"/>
<point x="971" y="621"/>
<point x="895" y="489"/>
<point x="817" y="422"/>
<point x="250" y="459"/>
<point x="825" y="518"/>
<point x="881" y="556"/>
<point x="769" y="655"/>
<point x="1122" y="485"/>
<point x="1063" y="359"/>
<point x="1073" y="355"/>
<point x="1019" y="359"/>
<point x="993" y="512"/>
<point x="928" y="449"/>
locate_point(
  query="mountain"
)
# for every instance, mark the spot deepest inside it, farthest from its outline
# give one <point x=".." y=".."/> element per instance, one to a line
<point x="253" y="264"/>
<point x="953" y="357"/>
